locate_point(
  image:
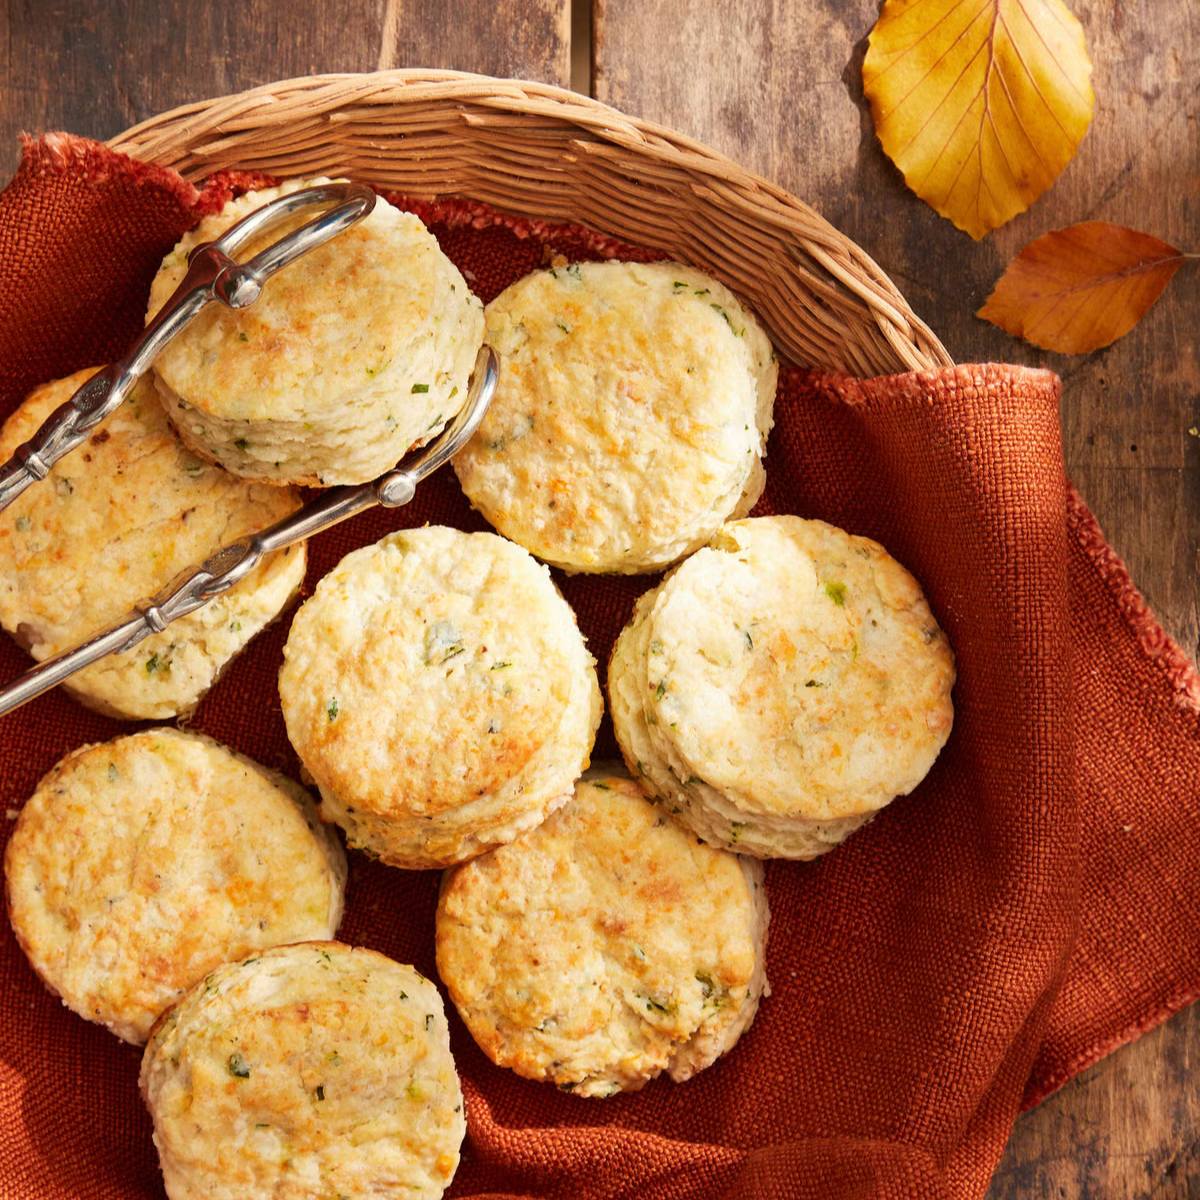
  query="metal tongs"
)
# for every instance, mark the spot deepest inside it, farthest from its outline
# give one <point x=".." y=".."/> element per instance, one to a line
<point x="213" y="274"/>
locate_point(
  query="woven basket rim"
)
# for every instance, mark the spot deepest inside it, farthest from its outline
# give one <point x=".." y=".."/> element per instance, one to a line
<point x="181" y="137"/>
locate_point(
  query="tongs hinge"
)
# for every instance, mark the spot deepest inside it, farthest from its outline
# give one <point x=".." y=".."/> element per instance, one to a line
<point x="212" y="274"/>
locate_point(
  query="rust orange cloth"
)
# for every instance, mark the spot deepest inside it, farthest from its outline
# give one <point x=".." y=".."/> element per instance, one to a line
<point x="1032" y="905"/>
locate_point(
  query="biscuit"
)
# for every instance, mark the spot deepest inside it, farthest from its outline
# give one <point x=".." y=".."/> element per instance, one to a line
<point x="782" y="686"/>
<point x="630" y="418"/>
<point x="115" y="522"/>
<point x="313" y="1070"/>
<point x="353" y="354"/>
<point x="140" y="864"/>
<point x="606" y="946"/>
<point x="439" y="693"/>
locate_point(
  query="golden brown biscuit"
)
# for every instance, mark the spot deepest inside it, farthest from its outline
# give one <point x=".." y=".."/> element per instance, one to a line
<point x="310" y="1071"/>
<point x="438" y="691"/>
<point x="782" y="686"/>
<point x="354" y="353"/>
<point x="142" y="863"/>
<point x="606" y="946"/>
<point x="115" y="522"/>
<point x="630" y="418"/>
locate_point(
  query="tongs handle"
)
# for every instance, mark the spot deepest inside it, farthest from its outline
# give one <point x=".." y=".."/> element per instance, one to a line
<point x="232" y="563"/>
<point x="212" y="274"/>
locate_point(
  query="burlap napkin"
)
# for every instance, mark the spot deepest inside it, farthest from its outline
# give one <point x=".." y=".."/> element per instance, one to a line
<point x="1031" y="906"/>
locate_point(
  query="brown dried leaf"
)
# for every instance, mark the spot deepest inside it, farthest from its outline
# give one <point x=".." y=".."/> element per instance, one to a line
<point x="980" y="103"/>
<point x="1080" y="288"/>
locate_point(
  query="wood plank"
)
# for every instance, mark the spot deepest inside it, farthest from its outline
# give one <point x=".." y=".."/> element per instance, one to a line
<point x="96" y="68"/>
<point x="778" y="87"/>
<point x="1127" y="1129"/>
<point x="525" y="40"/>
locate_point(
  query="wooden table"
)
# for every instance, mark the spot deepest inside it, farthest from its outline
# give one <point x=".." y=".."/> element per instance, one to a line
<point x="777" y="85"/>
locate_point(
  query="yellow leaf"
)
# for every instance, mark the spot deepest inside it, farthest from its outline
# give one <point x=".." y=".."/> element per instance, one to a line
<point x="1080" y="288"/>
<point x="980" y="103"/>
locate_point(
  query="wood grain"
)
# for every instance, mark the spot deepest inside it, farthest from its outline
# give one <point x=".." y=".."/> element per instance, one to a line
<point x="96" y="68"/>
<point x="777" y="86"/>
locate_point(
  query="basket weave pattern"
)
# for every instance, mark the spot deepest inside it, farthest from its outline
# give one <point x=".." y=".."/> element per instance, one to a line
<point x="543" y="152"/>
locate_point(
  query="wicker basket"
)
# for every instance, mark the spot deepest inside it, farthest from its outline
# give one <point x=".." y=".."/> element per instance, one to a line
<point x="545" y="152"/>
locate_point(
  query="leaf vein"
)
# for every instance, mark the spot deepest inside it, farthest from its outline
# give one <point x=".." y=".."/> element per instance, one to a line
<point x="986" y="115"/>
<point x="1051" y="55"/>
<point x="932" y="68"/>
<point x="1016" y="112"/>
<point x="950" y="136"/>
<point x="902" y="54"/>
